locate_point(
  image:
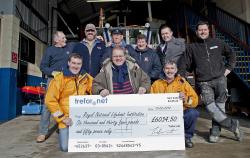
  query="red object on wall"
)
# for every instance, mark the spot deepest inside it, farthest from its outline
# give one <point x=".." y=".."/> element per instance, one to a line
<point x="33" y="90"/>
<point x="14" y="57"/>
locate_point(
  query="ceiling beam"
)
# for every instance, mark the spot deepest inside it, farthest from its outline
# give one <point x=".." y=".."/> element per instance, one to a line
<point x="95" y="15"/>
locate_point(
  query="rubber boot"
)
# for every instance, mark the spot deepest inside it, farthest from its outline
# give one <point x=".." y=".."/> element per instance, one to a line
<point x="214" y="132"/>
<point x="217" y="114"/>
<point x="233" y="126"/>
<point x="216" y="128"/>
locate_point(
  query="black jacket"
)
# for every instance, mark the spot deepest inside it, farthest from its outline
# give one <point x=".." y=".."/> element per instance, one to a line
<point x="91" y="61"/>
<point x="208" y="59"/>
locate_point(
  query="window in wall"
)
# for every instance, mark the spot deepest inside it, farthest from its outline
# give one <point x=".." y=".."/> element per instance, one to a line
<point x="26" y="49"/>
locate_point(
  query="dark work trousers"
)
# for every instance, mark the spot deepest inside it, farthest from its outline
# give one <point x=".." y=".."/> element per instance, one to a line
<point x="214" y="96"/>
<point x="190" y="117"/>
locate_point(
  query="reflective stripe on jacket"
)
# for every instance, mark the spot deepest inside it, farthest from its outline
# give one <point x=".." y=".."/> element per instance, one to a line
<point x="178" y="85"/>
<point x="60" y="88"/>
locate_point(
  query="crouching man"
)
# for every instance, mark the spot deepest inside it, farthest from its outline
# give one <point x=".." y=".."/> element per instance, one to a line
<point x="176" y="84"/>
<point x="70" y="82"/>
<point x="120" y="76"/>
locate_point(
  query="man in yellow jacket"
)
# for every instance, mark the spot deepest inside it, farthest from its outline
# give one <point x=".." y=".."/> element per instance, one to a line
<point x="72" y="81"/>
<point x="176" y="84"/>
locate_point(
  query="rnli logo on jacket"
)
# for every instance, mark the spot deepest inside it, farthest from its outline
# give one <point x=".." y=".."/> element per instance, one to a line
<point x="146" y="59"/>
<point x="213" y="47"/>
<point x="126" y="51"/>
<point x="99" y="48"/>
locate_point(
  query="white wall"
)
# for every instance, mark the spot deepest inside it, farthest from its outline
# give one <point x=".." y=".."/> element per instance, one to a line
<point x="239" y="8"/>
<point x="9" y="40"/>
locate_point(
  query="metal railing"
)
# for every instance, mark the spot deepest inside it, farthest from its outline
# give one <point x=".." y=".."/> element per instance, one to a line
<point x="232" y="31"/>
<point x="237" y="27"/>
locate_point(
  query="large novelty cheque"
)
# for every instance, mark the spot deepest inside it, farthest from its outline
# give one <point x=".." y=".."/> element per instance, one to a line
<point x="126" y="123"/>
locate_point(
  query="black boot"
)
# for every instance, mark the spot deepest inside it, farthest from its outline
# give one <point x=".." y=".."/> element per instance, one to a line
<point x="188" y="143"/>
<point x="214" y="132"/>
<point x="233" y="126"/>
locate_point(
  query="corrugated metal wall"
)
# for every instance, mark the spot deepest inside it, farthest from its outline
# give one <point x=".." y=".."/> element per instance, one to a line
<point x="30" y="21"/>
<point x="42" y="7"/>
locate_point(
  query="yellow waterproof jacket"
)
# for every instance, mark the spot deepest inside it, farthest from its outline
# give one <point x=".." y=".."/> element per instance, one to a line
<point x="178" y="85"/>
<point x="60" y="88"/>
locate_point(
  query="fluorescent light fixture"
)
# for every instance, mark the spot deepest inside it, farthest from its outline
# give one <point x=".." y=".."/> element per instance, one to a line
<point x="103" y="0"/>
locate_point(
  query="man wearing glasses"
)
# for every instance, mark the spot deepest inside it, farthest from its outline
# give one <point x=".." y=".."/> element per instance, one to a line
<point x="91" y="49"/>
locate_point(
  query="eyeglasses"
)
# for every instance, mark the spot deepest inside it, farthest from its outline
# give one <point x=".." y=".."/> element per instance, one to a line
<point x="90" y="30"/>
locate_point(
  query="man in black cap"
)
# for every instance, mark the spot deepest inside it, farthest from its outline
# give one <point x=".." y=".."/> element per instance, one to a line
<point x="117" y="41"/>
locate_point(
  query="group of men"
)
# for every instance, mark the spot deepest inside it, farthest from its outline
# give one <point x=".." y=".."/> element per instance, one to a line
<point x="90" y="67"/>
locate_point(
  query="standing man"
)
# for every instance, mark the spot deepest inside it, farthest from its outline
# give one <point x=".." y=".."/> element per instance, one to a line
<point x="54" y="60"/>
<point x="147" y="59"/>
<point x="176" y="84"/>
<point x="117" y="41"/>
<point x="72" y="81"/>
<point x="211" y="60"/>
<point x="91" y="49"/>
<point x="171" y="48"/>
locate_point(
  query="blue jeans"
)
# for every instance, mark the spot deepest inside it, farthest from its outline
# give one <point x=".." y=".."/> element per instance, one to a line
<point x="63" y="139"/>
<point x="45" y="121"/>
<point x="190" y="117"/>
<point x="45" y="117"/>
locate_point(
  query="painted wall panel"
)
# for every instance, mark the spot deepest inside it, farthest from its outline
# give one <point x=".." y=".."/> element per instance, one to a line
<point x="9" y="42"/>
<point x="8" y="93"/>
<point x="11" y="96"/>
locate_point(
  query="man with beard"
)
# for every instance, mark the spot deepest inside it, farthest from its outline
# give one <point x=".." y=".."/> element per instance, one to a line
<point x="92" y="50"/>
<point x="176" y="84"/>
<point x="211" y="60"/>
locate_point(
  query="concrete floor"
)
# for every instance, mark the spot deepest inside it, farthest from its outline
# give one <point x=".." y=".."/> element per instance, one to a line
<point x="17" y="140"/>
